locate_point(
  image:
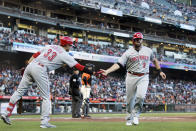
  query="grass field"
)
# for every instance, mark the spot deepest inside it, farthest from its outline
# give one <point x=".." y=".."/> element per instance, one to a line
<point x="91" y="125"/>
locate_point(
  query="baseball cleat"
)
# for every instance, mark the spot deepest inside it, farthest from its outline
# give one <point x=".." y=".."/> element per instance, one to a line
<point x="135" y="121"/>
<point x="129" y="123"/>
<point x="48" y="125"/>
<point x="6" y="119"/>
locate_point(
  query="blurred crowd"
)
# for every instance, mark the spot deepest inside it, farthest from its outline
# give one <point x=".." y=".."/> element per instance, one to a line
<point x="159" y="91"/>
<point x="171" y="92"/>
<point x="100" y="49"/>
<point x="8" y="37"/>
<point x="189" y="11"/>
<point x="164" y="58"/>
<point x="163" y="9"/>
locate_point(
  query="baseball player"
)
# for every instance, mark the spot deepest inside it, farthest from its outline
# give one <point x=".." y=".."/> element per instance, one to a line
<point x="48" y="59"/>
<point x="136" y="60"/>
<point x="85" y="90"/>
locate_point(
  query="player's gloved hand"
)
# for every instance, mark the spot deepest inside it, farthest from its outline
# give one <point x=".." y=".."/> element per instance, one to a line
<point x="104" y="72"/>
<point x="100" y="74"/>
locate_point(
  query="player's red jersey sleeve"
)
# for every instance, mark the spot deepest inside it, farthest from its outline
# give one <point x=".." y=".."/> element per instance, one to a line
<point x="79" y="67"/>
<point x="35" y="55"/>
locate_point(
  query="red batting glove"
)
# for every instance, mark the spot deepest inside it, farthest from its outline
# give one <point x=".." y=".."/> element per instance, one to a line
<point x="100" y="75"/>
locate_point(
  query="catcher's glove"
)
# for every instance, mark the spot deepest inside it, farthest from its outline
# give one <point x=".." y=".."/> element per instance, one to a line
<point x="100" y="75"/>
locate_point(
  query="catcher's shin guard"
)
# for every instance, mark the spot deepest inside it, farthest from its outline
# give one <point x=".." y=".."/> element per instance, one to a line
<point x="85" y="107"/>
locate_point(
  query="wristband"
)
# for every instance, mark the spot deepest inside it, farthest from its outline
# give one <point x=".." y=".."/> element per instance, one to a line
<point x="159" y="70"/>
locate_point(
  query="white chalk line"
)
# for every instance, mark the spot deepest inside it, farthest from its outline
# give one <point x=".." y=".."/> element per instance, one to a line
<point x="104" y="118"/>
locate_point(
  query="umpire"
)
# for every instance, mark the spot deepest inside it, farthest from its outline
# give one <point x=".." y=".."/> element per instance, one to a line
<point x="74" y="91"/>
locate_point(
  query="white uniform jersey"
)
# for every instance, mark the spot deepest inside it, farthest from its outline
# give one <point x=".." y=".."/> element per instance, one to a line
<point x="135" y="61"/>
<point x="54" y="56"/>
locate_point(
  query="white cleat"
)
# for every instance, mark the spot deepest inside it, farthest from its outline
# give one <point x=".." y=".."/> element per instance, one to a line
<point x="135" y="121"/>
<point x="129" y="123"/>
<point x="6" y="119"/>
<point x="48" y="125"/>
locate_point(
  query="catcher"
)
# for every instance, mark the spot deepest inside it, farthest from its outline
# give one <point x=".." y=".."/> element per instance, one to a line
<point x="85" y="90"/>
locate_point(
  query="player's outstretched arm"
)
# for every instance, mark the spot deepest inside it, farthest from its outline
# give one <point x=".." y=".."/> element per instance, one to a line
<point x="83" y="69"/>
<point x="113" y="68"/>
<point x="31" y="59"/>
<point x="35" y="55"/>
<point x="157" y="66"/>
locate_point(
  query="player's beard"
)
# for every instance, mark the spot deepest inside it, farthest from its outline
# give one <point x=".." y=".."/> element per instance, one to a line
<point x="67" y="50"/>
<point x="137" y="46"/>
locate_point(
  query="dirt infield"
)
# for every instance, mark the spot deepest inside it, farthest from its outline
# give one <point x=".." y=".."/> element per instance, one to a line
<point x="115" y="119"/>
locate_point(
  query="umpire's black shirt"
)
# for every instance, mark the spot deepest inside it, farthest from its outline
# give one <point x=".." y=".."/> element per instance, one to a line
<point x="74" y="85"/>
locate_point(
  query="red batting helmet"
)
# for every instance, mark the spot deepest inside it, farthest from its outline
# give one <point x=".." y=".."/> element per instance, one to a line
<point x="138" y="35"/>
<point x="65" y="40"/>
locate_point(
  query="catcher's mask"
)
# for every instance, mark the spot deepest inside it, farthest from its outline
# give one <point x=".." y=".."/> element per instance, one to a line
<point x="90" y="66"/>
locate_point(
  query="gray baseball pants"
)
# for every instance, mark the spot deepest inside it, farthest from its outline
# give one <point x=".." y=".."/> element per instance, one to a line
<point x="33" y="72"/>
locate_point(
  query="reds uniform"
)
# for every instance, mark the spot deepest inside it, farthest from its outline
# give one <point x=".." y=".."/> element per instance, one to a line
<point x="137" y="78"/>
<point x="48" y="59"/>
<point x="136" y="60"/>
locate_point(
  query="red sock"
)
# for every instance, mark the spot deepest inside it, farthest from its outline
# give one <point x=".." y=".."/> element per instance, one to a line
<point x="10" y="108"/>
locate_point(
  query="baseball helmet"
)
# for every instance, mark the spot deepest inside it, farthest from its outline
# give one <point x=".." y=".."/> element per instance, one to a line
<point x="65" y="40"/>
<point x="137" y="35"/>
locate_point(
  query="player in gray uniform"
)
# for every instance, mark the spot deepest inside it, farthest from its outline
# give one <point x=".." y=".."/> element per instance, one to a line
<point x="136" y="60"/>
<point x="48" y="59"/>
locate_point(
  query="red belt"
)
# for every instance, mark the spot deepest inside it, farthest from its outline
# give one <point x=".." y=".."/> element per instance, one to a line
<point x="41" y="64"/>
<point x="137" y="74"/>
